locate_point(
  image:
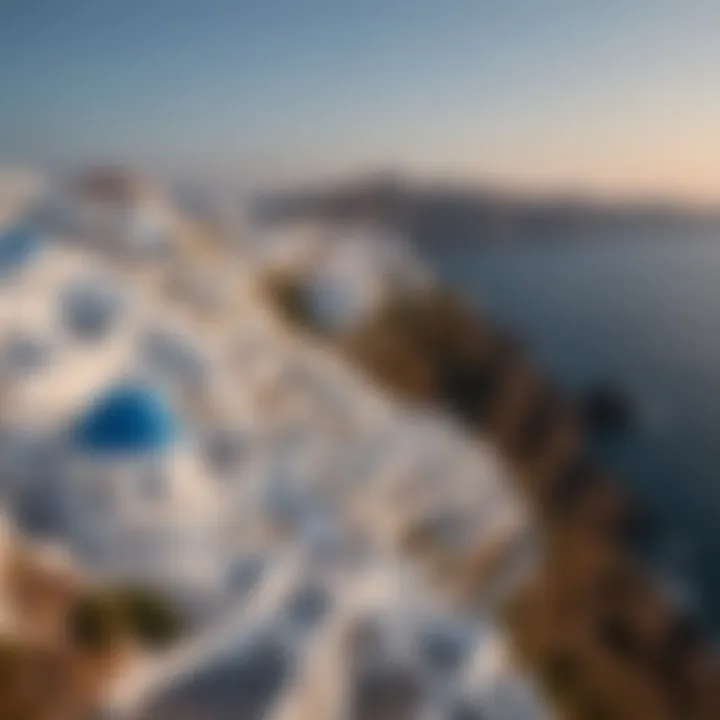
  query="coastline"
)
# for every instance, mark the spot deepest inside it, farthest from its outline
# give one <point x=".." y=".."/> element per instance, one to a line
<point x="593" y="625"/>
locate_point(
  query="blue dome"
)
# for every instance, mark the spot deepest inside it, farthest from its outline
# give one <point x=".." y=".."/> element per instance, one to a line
<point x="126" y="419"/>
<point x="18" y="245"/>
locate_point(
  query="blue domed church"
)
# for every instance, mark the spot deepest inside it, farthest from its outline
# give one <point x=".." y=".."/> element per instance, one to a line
<point x="140" y="504"/>
<point x="129" y="419"/>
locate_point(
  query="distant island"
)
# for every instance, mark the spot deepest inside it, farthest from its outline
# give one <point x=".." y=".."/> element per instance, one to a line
<point x="433" y="212"/>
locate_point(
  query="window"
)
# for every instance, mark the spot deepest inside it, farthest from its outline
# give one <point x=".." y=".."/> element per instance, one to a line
<point x="89" y="309"/>
<point x="23" y="353"/>
<point x="173" y="358"/>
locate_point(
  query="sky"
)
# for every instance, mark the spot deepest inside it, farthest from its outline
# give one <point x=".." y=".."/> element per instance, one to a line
<point x="611" y="96"/>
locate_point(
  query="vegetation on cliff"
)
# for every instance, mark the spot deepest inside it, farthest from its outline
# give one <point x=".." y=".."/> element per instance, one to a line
<point x="64" y="640"/>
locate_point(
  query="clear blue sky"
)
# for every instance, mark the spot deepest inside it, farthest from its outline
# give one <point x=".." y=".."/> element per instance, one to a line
<point x="604" y="94"/>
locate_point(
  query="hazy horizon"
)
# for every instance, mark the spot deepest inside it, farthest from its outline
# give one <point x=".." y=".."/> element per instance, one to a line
<point x="613" y="99"/>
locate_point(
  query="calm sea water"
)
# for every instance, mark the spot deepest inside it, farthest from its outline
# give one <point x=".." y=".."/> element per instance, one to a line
<point x="644" y="313"/>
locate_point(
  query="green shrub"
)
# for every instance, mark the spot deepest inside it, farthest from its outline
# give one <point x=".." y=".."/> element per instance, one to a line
<point x="99" y="621"/>
<point x="150" y="618"/>
<point x="96" y="622"/>
<point x="288" y="298"/>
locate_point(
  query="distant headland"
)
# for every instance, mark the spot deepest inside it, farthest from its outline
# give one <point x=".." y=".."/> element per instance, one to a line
<point x="446" y="212"/>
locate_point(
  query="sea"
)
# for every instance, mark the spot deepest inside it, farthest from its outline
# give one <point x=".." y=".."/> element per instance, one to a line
<point x="638" y="310"/>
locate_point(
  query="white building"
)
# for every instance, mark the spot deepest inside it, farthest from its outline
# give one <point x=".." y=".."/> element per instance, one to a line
<point x="213" y="452"/>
